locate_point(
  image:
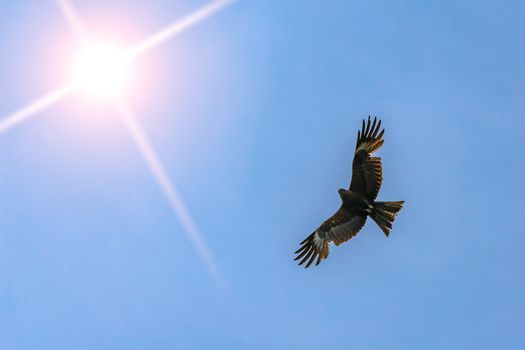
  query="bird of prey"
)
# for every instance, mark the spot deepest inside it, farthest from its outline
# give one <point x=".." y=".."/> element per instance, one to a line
<point x="358" y="202"/>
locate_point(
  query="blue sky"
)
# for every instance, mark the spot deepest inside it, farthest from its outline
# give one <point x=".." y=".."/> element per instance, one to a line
<point x="254" y="113"/>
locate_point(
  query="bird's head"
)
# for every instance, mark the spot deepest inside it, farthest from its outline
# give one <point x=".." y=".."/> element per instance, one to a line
<point x="344" y="193"/>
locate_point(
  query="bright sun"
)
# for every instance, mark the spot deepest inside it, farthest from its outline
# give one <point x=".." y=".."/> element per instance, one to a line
<point x="102" y="70"/>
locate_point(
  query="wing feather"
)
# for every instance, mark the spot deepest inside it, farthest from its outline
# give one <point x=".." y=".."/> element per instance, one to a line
<point x="339" y="228"/>
<point x="367" y="171"/>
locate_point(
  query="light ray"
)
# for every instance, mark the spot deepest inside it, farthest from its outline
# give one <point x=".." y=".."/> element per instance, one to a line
<point x="72" y="18"/>
<point x="170" y="192"/>
<point x="178" y="26"/>
<point x="139" y="137"/>
<point x="25" y="113"/>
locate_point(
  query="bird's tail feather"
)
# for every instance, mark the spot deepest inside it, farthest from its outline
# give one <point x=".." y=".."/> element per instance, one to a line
<point x="384" y="214"/>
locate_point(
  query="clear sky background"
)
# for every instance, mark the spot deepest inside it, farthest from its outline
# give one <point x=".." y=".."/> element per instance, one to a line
<point x="255" y="113"/>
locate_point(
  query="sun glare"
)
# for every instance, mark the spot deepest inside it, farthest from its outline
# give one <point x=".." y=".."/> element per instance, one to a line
<point x="102" y="70"/>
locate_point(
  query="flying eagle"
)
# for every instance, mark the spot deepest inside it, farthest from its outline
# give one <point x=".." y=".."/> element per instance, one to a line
<point x="358" y="201"/>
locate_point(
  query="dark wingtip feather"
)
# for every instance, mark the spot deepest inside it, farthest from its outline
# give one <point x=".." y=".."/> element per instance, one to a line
<point x="374" y="134"/>
<point x="303" y="253"/>
<point x="307" y="238"/>
<point x="380" y="136"/>
<point x="367" y="128"/>
<point x="301" y="249"/>
<point x="372" y="128"/>
<point x="310" y="252"/>
<point x="368" y="135"/>
<point x="314" y="255"/>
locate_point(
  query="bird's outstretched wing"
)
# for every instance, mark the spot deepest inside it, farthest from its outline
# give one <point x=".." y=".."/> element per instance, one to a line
<point x="367" y="171"/>
<point x="339" y="228"/>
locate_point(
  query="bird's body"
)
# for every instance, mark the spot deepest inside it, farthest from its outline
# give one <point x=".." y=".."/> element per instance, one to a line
<point x="358" y="202"/>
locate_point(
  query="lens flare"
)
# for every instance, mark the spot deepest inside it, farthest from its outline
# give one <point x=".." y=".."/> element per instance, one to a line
<point x="102" y="70"/>
<point x="32" y="109"/>
<point x="178" y="27"/>
<point x="168" y="188"/>
<point x="72" y="18"/>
